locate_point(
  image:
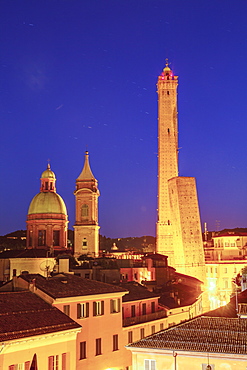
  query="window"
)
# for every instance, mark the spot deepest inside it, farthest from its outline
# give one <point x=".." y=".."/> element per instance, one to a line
<point x="115" y="342"/>
<point x="152" y="329"/>
<point x="82" y="310"/>
<point x="152" y="307"/>
<point x="130" y="336"/>
<point x="41" y="238"/>
<point x="83" y="350"/>
<point x="144" y="308"/>
<point x="66" y="309"/>
<point x="84" y="243"/>
<point x="98" y="308"/>
<point x="98" y="347"/>
<point x="84" y="210"/>
<point x="162" y="326"/>
<point x="225" y="270"/>
<point x="56" y="237"/>
<point x="87" y="276"/>
<point x="142" y="333"/>
<point x="133" y="311"/>
<point x="149" y="364"/>
<point x="22" y="366"/>
<point x="56" y="362"/>
<point x="115" y="305"/>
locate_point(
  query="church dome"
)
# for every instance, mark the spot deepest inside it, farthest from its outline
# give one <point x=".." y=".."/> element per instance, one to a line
<point x="49" y="202"/>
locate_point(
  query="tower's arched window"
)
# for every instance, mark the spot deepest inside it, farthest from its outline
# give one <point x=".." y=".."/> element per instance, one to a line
<point x="84" y="210"/>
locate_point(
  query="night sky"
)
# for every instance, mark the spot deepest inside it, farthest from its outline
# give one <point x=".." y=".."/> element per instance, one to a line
<point x="77" y="75"/>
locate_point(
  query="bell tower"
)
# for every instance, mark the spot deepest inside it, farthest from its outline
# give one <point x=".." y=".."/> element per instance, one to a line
<point x="167" y="157"/>
<point x="86" y="218"/>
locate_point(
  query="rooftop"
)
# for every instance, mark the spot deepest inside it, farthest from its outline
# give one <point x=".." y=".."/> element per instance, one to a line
<point x="136" y="292"/>
<point x="202" y="334"/>
<point x="23" y="314"/>
<point x="68" y="285"/>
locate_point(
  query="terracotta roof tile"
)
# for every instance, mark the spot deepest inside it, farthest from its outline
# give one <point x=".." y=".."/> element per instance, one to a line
<point x="68" y="285"/>
<point x="203" y="334"/>
<point x="23" y="314"/>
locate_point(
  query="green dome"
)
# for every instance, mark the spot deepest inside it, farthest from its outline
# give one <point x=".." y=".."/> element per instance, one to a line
<point x="49" y="202"/>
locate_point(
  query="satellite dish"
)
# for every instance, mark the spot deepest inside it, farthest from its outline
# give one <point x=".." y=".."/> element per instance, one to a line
<point x="47" y="266"/>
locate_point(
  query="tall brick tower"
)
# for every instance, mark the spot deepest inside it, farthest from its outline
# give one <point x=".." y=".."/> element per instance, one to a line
<point x="86" y="239"/>
<point x="167" y="157"/>
<point x="178" y="225"/>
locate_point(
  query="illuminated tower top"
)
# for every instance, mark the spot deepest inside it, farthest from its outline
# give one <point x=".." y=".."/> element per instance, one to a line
<point x="167" y="155"/>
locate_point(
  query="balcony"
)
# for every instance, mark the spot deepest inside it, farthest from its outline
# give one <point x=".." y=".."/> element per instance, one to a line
<point x="128" y="321"/>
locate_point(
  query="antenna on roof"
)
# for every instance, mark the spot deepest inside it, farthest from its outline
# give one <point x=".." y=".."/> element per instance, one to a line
<point x="47" y="266"/>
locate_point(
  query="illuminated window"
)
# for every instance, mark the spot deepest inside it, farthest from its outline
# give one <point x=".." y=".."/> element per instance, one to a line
<point x="41" y="238"/>
<point x="84" y="210"/>
<point x="149" y="365"/>
<point x="115" y="342"/>
<point x="130" y="336"/>
<point x="83" y="348"/>
<point x="82" y="310"/>
<point x="66" y="309"/>
<point x="98" y="308"/>
<point x="115" y="305"/>
<point x="98" y="350"/>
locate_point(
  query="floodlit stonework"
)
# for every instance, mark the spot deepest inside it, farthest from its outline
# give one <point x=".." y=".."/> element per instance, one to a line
<point x="47" y="220"/>
<point x="86" y="217"/>
<point x="178" y="225"/>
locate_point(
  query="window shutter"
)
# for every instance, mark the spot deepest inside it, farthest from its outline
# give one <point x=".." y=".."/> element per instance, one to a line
<point x="64" y="361"/>
<point x="27" y="365"/>
<point x="111" y="305"/>
<point x="51" y="363"/>
<point x="94" y="308"/>
<point x="78" y="310"/>
<point x="87" y="309"/>
<point x="118" y="305"/>
<point x="102" y="307"/>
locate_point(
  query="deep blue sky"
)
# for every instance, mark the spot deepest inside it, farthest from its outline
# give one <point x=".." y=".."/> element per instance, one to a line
<point x="82" y="74"/>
